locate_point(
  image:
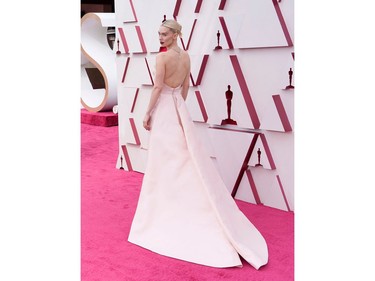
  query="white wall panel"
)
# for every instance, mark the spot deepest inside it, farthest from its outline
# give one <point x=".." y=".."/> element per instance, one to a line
<point x="230" y="149"/>
<point x="287" y="9"/>
<point x="132" y="38"/>
<point x="218" y="75"/>
<point x="271" y="194"/>
<point x="264" y="160"/>
<point x="244" y="192"/>
<point x="138" y="158"/>
<point x="139" y="112"/>
<point x="124" y="12"/>
<point x="260" y="26"/>
<point x="192" y="104"/>
<point x="125" y="96"/>
<point x="137" y="73"/>
<point x="287" y="98"/>
<point x="282" y="145"/>
<point x="256" y="68"/>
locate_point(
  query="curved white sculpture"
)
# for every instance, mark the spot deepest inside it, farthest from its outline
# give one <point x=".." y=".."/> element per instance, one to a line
<point x="96" y="51"/>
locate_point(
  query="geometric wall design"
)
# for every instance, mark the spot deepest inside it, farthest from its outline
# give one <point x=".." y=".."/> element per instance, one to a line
<point x="256" y="55"/>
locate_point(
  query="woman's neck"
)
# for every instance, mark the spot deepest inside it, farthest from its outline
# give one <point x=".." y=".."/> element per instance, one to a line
<point x="172" y="46"/>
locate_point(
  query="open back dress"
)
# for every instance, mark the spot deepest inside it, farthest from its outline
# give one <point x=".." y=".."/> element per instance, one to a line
<point x="185" y="210"/>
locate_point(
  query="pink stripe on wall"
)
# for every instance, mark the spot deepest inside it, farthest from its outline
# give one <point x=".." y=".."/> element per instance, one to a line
<point x="135" y="132"/>
<point x="282" y="22"/>
<point x="149" y="71"/>
<point x="201" y="106"/>
<point x="183" y="44"/>
<point x="226" y="32"/>
<point x="222" y="4"/>
<point x="192" y="79"/>
<point x="283" y="192"/>
<point x="253" y="187"/>
<point x="282" y="113"/>
<point x="245" y="91"/>
<point x="244" y="164"/>
<point x="127" y="158"/>
<point x="201" y="70"/>
<point x="191" y="34"/>
<point x="268" y="151"/>
<point x="198" y="6"/>
<point x="140" y="37"/>
<point x="123" y="40"/>
<point x="177" y="8"/>
<point x="134" y="100"/>
<point x="125" y="69"/>
<point x="133" y="10"/>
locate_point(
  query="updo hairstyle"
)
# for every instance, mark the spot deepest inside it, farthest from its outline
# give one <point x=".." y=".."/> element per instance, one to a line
<point x="174" y="26"/>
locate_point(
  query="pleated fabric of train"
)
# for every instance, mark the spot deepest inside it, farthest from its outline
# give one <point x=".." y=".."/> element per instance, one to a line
<point x="185" y="210"/>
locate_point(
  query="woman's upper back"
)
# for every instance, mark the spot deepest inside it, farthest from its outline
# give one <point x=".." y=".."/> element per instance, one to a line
<point x="177" y="67"/>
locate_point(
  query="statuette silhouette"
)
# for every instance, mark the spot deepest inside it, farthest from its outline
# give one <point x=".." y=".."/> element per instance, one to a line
<point x="229" y="96"/>
<point x="122" y="168"/>
<point x="290" y="80"/>
<point x="118" y="47"/>
<point x="259" y="154"/>
<point x="218" y="47"/>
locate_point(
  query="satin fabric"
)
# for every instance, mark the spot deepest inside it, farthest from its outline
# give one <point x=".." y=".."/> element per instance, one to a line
<point x="184" y="210"/>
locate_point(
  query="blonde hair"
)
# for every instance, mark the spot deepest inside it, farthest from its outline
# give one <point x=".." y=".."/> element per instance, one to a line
<point x="174" y="26"/>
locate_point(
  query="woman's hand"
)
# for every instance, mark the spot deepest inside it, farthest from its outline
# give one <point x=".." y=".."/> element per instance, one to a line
<point x="147" y="122"/>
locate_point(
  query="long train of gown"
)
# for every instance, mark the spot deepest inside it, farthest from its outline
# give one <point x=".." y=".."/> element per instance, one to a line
<point x="185" y="210"/>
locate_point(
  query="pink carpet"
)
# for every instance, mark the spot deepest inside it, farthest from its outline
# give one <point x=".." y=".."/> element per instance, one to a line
<point x="108" y="201"/>
<point x="105" y="118"/>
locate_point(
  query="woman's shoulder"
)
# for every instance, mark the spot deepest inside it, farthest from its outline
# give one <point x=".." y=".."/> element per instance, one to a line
<point x="186" y="55"/>
<point x="161" y="57"/>
<point x="160" y="54"/>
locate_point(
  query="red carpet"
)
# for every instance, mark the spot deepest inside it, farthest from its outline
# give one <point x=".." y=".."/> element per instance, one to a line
<point x="105" y="119"/>
<point x="108" y="201"/>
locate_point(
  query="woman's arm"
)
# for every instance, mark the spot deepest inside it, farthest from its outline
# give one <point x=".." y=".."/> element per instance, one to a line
<point x="158" y="86"/>
<point x="158" y="83"/>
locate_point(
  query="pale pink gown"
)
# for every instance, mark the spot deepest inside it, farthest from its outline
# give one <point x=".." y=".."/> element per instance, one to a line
<point x="184" y="210"/>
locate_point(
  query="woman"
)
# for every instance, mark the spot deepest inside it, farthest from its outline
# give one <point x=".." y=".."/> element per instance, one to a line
<point x="185" y="210"/>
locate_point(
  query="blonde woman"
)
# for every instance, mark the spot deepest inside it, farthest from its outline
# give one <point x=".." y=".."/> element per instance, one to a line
<point x="185" y="210"/>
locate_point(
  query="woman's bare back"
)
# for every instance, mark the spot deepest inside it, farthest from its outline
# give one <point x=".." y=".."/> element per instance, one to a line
<point x="177" y="67"/>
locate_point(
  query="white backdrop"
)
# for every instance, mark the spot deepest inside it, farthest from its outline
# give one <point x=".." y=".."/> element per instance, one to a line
<point x="257" y="53"/>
